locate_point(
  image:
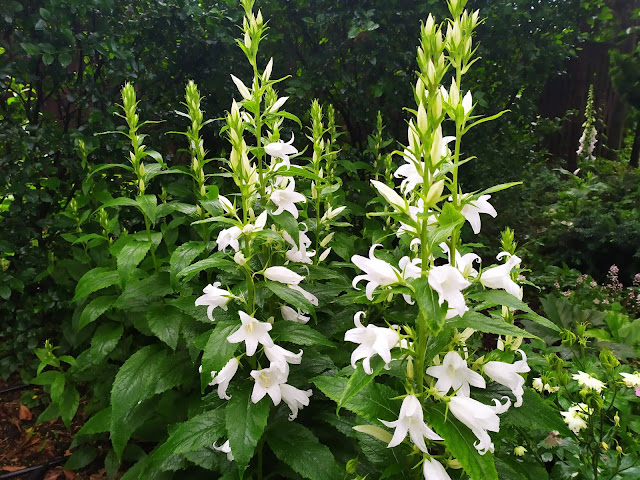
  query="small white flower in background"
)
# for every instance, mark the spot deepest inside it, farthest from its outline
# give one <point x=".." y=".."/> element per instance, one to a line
<point x="410" y="269"/>
<point x="454" y="374"/>
<point x="631" y="380"/>
<point x="378" y="272"/>
<point x="313" y="300"/>
<point x="227" y="206"/>
<point x="286" y="198"/>
<point x="449" y="283"/>
<point x="467" y="103"/>
<point x="389" y="194"/>
<point x="433" y="470"/>
<point x="290" y="314"/>
<point x="519" y="451"/>
<point x="229" y="237"/>
<point x="295" y="398"/>
<point x="251" y="332"/>
<point x="589" y="382"/>
<point x="500" y="276"/>
<point x="214" y="297"/>
<point x="281" y="149"/>
<point x="575" y="417"/>
<point x="223" y="378"/>
<point x="479" y="417"/>
<point x="224" y="448"/>
<point x="373" y="340"/>
<point x="471" y="211"/>
<point x="281" y="356"/>
<point x="411" y="420"/>
<point x="283" y="275"/>
<point x="509" y="375"/>
<point x="540" y="387"/>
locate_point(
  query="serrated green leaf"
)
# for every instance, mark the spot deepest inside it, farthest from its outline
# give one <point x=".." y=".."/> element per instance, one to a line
<point x="130" y="256"/>
<point x="460" y="442"/>
<point x="290" y="296"/>
<point x="485" y="324"/>
<point x="98" y="423"/>
<point x="94" y="280"/>
<point x="94" y="309"/>
<point x="245" y="422"/>
<point x="360" y="379"/>
<point x="104" y="340"/>
<point x="218" y="351"/>
<point x="299" y="448"/>
<point x="68" y="405"/>
<point x="146" y="373"/>
<point x="189" y="272"/>
<point x="182" y="257"/>
<point x="140" y="293"/>
<point x="164" y="321"/>
<point x="148" y="206"/>
<point x="198" y="432"/>
<point x="298" y="333"/>
<point x="433" y="313"/>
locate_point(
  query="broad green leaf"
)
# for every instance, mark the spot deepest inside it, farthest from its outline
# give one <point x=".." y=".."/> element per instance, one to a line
<point x="94" y="280"/>
<point x="130" y="256"/>
<point x="148" y="205"/>
<point x="485" y="324"/>
<point x="94" y="309"/>
<point x="299" y="448"/>
<point x="374" y="401"/>
<point x="146" y="373"/>
<point x="198" y="432"/>
<point x="245" y="422"/>
<point x="290" y="296"/>
<point x="104" y="340"/>
<point x="433" y="313"/>
<point x="535" y="414"/>
<point x="68" y="404"/>
<point x="140" y="293"/>
<point x="218" y="351"/>
<point x="360" y="379"/>
<point x="460" y="441"/>
<point x="81" y="458"/>
<point x="98" y="423"/>
<point x="499" y="297"/>
<point x="46" y="378"/>
<point x="497" y="188"/>
<point x="182" y="257"/>
<point x="164" y="321"/>
<point x="65" y="59"/>
<point x="105" y="166"/>
<point x="119" y="202"/>
<point x="189" y="272"/>
<point x="298" y="333"/>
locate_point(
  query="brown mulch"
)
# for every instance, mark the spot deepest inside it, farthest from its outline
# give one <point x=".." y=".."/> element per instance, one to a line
<point x="24" y="443"/>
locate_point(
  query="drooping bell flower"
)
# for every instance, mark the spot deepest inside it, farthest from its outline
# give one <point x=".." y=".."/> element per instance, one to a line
<point x="454" y="374"/>
<point x="411" y="421"/>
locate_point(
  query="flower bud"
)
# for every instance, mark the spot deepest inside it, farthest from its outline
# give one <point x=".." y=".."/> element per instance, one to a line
<point x="423" y="123"/>
<point x="410" y="369"/>
<point x="375" y="432"/>
<point x="435" y="191"/>
<point x="608" y="359"/>
<point x="352" y="465"/>
<point x="239" y="259"/>
<point x="519" y="451"/>
<point x="325" y="241"/>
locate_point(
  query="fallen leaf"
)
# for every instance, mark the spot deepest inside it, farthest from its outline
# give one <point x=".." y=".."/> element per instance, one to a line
<point x="54" y="474"/>
<point x="12" y="468"/>
<point x="25" y="413"/>
<point x="69" y="475"/>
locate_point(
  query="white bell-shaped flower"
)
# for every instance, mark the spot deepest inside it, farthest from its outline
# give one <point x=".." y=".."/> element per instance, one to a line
<point x="281" y="150"/>
<point x="378" y="272"/>
<point x="508" y="374"/>
<point x="252" y="332"/>
<point x="448" y="282"/>
<point x="283" y="275"/>
<point x="294" y="398"/>
<point x="290" y="314"/>
<point x="373" y="340"/>
<point x="281" y="356"/>
<point x="229" y="237"/>
<point x="500" y="276"/>
<point x="214" y="297"/>
<point x="411" y="171"/>
<point x="479" y="417"/>
<point x="224" y="448"/>
<point x="411" y="421"/>
<point x="433" y="470"/>
<point x="286" y="198"/>
<point x="223" y="378"/>
<point x="454" y="374"/>
<point x="472" y="210"/>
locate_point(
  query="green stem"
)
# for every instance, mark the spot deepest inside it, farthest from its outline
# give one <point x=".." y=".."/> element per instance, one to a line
<point x="153" y="250"/>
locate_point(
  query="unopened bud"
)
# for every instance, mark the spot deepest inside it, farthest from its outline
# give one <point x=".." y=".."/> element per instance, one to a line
<point x="239" y="259"/>
<point x="435" y="191"/>
<point x="375" y="432"/>
<point x="410" y="369"/>
<point x="352" y="465"/>
<point x="423" y="123"/>
<point x="325" y="241"/>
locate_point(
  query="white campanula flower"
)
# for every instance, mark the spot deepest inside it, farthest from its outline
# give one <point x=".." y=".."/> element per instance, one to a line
<point x="378" y="272"/>
<point x="589" y="382"/>
<point x="281" y="356"/>
<point x="631" y="380"/>
<point x="242" y="88"/>
<point x="283" y="275"/>
<point x="411" y="421"/>
<point x="252" y="332"/>
<point x="464" y="263"/>
<point x="227" y="206"/>
<point x="224" y="448"/>
<point x="472" y="210"/>
<point x="272" y="381"/>
<point x="448" y="282"/>
<point x="389" y="194"/>
<point x="433" y="470"/>
<point x="229" y="237"/>
<point x="281" y="150"/>
<point x="259" y="224"/>
<point x="214" y="297"/>
<point x="576" y="416"/>
<point x="290" y="314"/>
<point x="373" y="340"/>
<point x="410" y="172"/>
<point x="410" y="269"/>
<point x="500" y="276"/>
<point x="509" y="375"/>
<point x="479" y="417"/>
<point x="454" y="374"/>
<point x="286" y="198"/>
<point x="223" y="378"/>
<point x="298" y="252"/>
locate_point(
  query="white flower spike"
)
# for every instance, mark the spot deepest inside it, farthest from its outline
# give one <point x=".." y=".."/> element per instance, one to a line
<point x="214" y="297"/>
<point x="373" y="340"/>
<point x="509" y="375"/>
<point x="411" y="420"/>
<point x="454" y="374"/>
<point x="251" y="332"/>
